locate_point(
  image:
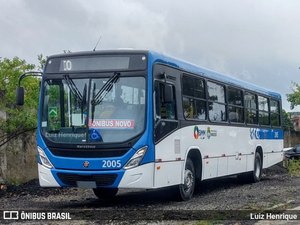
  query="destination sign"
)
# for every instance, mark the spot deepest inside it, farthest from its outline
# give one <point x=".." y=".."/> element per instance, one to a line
<point x="96" y="63"/>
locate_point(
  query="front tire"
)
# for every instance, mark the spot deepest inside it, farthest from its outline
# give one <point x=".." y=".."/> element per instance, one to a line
<point x="186" y="190"/>
<point x="105" y="193"/>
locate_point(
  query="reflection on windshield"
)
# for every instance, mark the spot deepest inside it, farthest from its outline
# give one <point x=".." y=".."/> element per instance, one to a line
<point x="105" y="89"/>
<point x="118" y="117"/>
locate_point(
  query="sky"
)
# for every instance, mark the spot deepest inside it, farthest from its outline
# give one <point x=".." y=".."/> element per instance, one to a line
<point x="254" y="40"/>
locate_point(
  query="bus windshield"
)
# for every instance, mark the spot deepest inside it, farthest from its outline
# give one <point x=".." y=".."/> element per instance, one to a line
<point x="95" y="110"/>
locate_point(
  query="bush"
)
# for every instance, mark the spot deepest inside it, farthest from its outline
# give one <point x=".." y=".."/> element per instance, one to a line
<point x="294" y="167"/>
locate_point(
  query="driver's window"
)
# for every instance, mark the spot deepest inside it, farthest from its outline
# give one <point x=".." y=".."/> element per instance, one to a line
<point x="163" y="110"/>
<point x="165" y="113"/>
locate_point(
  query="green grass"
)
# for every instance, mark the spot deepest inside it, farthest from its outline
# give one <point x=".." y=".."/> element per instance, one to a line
<point x="294" y="167"/>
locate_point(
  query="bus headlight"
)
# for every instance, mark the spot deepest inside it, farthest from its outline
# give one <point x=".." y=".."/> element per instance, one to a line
<point x="136" y="158"/>
<point x="44" y="159"/>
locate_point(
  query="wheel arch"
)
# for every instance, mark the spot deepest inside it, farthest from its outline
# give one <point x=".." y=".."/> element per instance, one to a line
<point x="195" y="155"/>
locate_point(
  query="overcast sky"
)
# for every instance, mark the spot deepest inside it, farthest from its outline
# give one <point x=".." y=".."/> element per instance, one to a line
<point x="254" y="40"/>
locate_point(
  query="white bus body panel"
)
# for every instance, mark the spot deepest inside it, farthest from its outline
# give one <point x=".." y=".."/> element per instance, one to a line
<point x="138" y="177"/>
<point x="225" y="150"/>
<point x="168" y="173"/>
<point x="46" y="178"/>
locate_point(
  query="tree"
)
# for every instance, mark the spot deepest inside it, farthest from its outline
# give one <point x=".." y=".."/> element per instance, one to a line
<point x="287" y="123"/>
<point x="294" y="98"/>
<point x="42" y="62"/>
<point x="18" y="119"/>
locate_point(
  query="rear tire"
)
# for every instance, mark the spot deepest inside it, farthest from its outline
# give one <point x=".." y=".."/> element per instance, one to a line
<point x="105" y="193"/>
<point x="186" y="190"/>
<point x="255" y="175"/>
<point x="257" y="172"/>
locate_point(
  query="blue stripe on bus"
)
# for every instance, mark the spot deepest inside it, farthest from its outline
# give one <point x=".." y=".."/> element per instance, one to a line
<point x="260" y="133"/>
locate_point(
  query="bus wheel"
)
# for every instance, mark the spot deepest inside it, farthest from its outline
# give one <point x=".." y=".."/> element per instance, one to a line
<point x="186" y="190"/>
<point x="257" y="168"/>
<point x="255" y="175"/>
<point x="105" y="193"/>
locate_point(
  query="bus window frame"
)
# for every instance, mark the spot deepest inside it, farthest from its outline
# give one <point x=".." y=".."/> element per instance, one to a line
<point x="160" y="120"/>
<point x="221" y="103"/>
<point x="226" y="86"/>
<point x="242" y="106"/>
<point x="264" y="111"/>
<point x="193" y="97"/>
<point x="279" y="113"/>
<point x="92" y="75"/>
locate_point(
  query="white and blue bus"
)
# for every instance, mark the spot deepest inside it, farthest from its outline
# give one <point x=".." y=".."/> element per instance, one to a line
<point x="139" y="119"/>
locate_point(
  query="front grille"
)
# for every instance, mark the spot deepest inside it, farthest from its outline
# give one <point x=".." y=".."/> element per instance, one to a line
<point x="100" y="179"/>
<point x="88" y="153"/>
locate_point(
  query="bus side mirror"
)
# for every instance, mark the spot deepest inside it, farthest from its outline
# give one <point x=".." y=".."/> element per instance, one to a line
<point x="20" y="96"/>
<point x="168" y="93"/>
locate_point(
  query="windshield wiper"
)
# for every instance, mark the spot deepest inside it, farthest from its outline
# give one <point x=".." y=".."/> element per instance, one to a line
<point x="98" y="98"/>
<point x="83" y="101"/>
<point x="73" y="87"/>
<point x="93" y="105"/>
<point x="82" y="98"/>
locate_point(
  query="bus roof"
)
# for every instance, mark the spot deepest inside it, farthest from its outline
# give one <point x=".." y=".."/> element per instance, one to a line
<point x="156" y="57"/>
<point x="188" y="67"/>
<point x="98" y="52"/>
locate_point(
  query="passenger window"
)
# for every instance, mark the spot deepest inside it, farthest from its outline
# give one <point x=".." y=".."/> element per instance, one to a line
<point x="251" y="108"/>
<point x="194" y="98"/>
<point x="216" y="92"/>
<point x="236" y="114"/>
<point x="275" y="113"/>
<point x="263" y="109"/>
<point x="250" y="101"/>
<point x="263" y="104"/>
<point x="235" y="108"/>
<point x="216" y="103"/>
<point x="235" y="96"/>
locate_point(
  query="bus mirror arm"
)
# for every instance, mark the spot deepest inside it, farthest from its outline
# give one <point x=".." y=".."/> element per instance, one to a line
<point x="20" y="90"/>
<point x="20" y="96"/>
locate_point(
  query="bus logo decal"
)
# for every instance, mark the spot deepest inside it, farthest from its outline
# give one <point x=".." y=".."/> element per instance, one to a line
<point x="211" y="133"/>
<point x="196" y="132"/>
<point x="199" y="133"/>
<point x="86" y="164"/>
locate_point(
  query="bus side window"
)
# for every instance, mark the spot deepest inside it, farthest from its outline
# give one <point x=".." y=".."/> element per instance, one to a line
<point x="165" y="113"/>
<point x="164" y="110"/>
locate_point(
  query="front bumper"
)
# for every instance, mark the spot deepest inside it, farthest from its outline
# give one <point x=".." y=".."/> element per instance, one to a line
<point x="139" y="177"/>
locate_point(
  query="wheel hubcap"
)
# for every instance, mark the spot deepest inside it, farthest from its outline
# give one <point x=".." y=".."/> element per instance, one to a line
<point x="188" y="180"/>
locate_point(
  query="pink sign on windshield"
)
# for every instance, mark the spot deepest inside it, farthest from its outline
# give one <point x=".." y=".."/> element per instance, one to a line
<point x="112" y="124"/>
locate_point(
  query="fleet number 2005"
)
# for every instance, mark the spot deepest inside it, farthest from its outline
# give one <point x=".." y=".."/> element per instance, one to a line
<point x="111" y="163"/>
